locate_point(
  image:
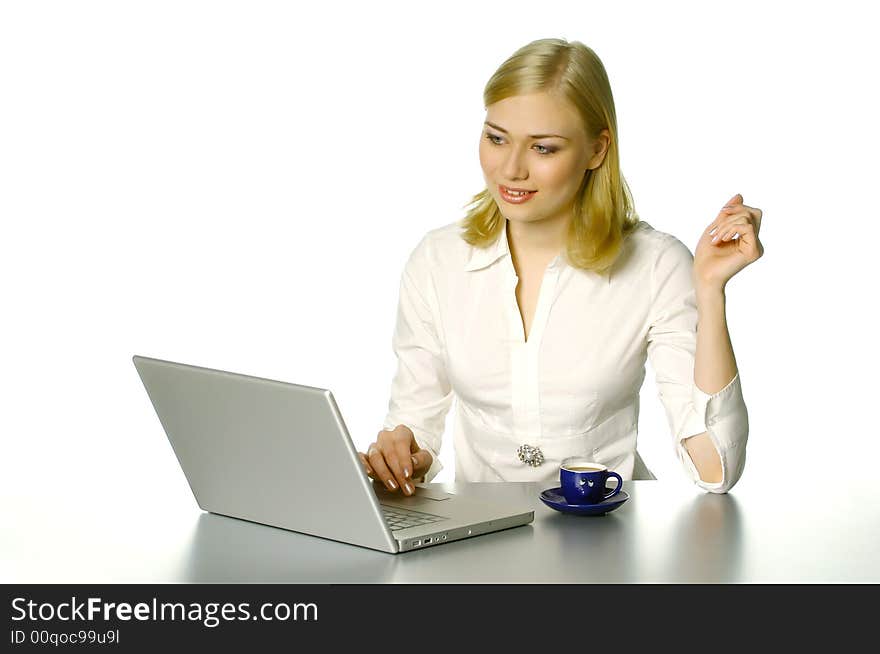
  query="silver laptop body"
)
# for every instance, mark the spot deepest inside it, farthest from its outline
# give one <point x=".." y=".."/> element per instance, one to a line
<point x="280" y="454"/>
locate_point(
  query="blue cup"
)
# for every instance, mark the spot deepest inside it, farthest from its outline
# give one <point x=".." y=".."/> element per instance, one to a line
<point x="583" y="481"/>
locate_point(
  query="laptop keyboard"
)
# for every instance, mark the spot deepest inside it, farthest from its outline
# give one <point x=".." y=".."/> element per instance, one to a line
<point x="398" y="518"/>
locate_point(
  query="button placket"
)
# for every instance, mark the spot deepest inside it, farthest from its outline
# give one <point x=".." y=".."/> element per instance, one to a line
<point x="517" y="364"/>
<point x="525" y="362"/>
<point x="542" y="315"/>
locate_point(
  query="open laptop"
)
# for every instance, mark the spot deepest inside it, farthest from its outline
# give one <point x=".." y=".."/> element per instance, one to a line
<point x="279" y="454"/>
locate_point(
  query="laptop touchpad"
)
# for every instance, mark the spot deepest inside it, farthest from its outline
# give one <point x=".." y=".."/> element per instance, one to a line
<point x="432" y="494"/>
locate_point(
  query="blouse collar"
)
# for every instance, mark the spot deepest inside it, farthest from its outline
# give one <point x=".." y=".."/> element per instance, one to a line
<point x="483" y="257"/>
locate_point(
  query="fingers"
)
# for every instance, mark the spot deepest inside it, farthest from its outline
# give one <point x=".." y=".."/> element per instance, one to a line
<point x="380" y="468"/>
<point x="396" y="460"/>
<point x="391" y="460"/>
<point x="734" y="221"/>
<point x="736" y="199"/>
<point x="396" y="447"/>
<point x="422" y="461"/>
<point x="739" y="229"/>
<point x="726" y="229"/>
<point x="739" y="209"/>
<point x="748" y="242"/>
<point x="727" y="226"/>
<point x="367" y="467"/>
<point x="722" y="218"/>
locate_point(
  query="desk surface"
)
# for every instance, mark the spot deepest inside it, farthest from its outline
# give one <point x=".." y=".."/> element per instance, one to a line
<point x="666" y="532"/>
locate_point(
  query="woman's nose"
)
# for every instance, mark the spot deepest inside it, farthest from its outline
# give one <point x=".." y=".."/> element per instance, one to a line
<point x="514" y="166"/>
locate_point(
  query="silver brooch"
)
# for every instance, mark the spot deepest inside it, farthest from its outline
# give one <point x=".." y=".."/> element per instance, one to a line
<point x="530" y="455"/>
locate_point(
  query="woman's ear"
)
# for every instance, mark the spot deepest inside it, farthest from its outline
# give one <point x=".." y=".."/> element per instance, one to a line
<point x="600" y="148"/>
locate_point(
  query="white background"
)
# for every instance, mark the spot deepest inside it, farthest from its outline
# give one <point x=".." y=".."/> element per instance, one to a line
<point x="237" y="185"/>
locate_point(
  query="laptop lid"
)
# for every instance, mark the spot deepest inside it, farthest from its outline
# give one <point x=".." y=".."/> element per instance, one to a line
<point x="266" y="451"/>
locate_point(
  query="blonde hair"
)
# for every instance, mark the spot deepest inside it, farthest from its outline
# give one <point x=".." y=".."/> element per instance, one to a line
<point x="604" y="212"/>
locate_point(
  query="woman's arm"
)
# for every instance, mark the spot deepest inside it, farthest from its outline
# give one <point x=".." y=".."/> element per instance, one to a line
<point x="718" y="257"/>
<point x="714" y="368"/>
<point x="421" y="391"/>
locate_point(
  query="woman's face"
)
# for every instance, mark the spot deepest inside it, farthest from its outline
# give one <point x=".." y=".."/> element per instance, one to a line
<point x="553" y="166"/>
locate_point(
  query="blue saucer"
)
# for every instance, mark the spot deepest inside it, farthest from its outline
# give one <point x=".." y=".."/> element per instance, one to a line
<point x="554" y="498"/>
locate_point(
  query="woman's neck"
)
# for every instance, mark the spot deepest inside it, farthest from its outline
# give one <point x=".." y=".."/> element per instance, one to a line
<point x="535" y="244"/>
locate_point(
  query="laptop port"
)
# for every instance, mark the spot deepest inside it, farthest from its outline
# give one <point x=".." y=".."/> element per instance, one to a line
<point x="416" y="543"/>
<point x="427" y="540"/>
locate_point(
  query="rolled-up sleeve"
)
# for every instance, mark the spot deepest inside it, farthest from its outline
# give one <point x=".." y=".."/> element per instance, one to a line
<point x="421" y="394"/>
<point x="672" y="344"/>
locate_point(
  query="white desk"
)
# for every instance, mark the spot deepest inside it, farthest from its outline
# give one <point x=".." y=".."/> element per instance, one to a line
<point x="666" y="532"/>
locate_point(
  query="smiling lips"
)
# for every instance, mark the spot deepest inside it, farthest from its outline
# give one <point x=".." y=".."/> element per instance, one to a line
<point x="515" y="196"/>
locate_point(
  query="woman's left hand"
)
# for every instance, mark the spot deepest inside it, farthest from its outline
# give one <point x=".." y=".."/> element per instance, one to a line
<point x="719" y="256"/>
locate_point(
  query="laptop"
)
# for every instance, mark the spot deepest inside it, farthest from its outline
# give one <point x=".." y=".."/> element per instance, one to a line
<point x="279" y="454"/>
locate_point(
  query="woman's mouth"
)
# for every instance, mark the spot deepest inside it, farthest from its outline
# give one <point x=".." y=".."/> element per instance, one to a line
<point x="515" y="197"/>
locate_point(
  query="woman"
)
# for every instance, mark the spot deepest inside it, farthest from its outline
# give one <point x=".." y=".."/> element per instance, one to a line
<point x="539" y="310"/>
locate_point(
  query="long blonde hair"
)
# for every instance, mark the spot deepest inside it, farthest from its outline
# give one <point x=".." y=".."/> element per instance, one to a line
<point x="604" y="212"/>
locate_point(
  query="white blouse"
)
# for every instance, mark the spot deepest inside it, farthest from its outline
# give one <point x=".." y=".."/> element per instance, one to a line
<point x="573" y="387"/>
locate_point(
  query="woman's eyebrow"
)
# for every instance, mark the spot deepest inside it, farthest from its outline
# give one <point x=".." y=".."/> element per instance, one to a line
<point x="531" y="136"/>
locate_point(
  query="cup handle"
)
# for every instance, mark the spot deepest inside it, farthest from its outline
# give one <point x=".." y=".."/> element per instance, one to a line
<point x="619" y="485"/>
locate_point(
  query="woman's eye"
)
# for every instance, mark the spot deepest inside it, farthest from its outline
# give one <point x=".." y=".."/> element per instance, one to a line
<point x="545" y="149"/>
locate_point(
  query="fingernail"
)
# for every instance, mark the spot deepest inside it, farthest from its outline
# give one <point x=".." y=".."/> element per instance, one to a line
<point x="415" y="463"/>
<point x="406" y="472"/>
<point x="714" y="230"/>
<point x="409" y="489"/>
<point x="391" y="483"/>
<point x="715" y="238"/>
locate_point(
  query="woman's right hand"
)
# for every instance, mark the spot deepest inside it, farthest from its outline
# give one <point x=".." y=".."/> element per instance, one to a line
<point x="395" y="459"/>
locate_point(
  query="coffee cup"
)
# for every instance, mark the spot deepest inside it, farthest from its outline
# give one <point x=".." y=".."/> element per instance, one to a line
<point x="583" y="481"/>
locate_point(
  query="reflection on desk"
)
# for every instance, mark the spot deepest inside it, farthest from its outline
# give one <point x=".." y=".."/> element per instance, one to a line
<point x="667" y="532"/>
